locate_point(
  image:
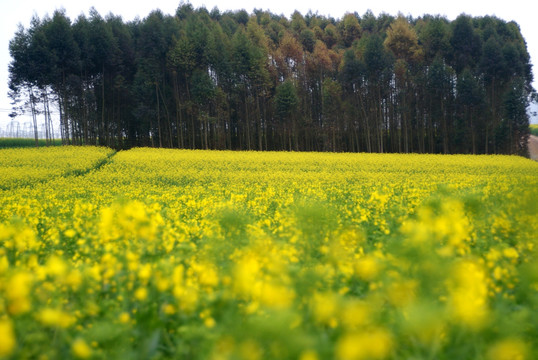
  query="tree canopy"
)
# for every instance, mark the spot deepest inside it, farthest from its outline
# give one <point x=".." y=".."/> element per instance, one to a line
<point x="204" y="79"/>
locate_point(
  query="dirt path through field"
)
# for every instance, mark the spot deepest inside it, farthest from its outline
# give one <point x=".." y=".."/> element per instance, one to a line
<point x="533" y="147"/>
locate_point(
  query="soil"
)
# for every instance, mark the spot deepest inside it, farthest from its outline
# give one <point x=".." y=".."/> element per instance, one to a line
<point x="533" y="147"/>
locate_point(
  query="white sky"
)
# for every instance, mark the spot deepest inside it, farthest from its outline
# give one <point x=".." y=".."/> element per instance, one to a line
<point x="14" y="12"/>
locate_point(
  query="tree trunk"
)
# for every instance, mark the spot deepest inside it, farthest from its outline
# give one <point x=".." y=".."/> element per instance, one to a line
<point x="34" y="116"/>
<point x="158" y="115"/>
<point x="102" y="132"/>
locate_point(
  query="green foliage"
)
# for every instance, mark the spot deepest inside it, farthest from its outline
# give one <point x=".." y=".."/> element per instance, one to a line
<point x="202" y="87"/>
<point x="516" y="119"/>
<point x="24" y="142"/>
<point x="286" y="99"/>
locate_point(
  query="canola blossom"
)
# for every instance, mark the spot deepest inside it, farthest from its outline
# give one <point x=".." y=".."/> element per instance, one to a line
<point x="152" y="253"/>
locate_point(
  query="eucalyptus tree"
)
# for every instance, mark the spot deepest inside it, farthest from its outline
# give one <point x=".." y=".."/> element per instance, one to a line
<point x="30" y="72"/>
<point x="515" y="121"/>
<point x="19" y="78"/>
<point x="471" y="103"/>
<point x="440" y="101"/>
<point x="103" y="53"/>
<point x="378" y="70"/>
<point x="402" y="42"/>
<point x="491" y="67"/>
<point x="153" y="41"/>
<point x="286" y="103"/>
<point x="466" y="44"/>
<point x="353" y="79"/>
<point x="233" y="80"/>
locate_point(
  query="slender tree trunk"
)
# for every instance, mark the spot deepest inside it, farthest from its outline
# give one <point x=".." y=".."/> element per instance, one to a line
<point x="179" y="122"/>
<point x="158" y="115"/>
<point x="380" y="119"/>
<point x="34" y="116"/>
<point x="62" y="121"/>
<point x="260" y="125"/>
<point x="192" y="130"/>
<point x="48" y="118"/>
<point x="247" y="122"/>
<point x="366" y="122"/>
<point x="46" y="115"/>
<point x="265" y="121"/>
<point x="473" y="132"/>
<point x="445" y="128"/>
<point x="168" y="120"/>
<point x="102" y="132"/>
<point x="494" y="114"/>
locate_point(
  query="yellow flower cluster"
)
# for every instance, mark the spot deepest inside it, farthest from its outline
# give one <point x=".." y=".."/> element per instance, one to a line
<point x="153" y="253"/>
<point x="26" y="166"/>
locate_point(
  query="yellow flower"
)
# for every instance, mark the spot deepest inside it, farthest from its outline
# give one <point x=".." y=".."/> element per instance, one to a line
<point x="169" y="309"/>
<point x="325" y="308"/>
<point x="309" y="355"/>
<point x="73" y="279"/>
<point x="141" y="294"/>
<point x="367" y="268"/>
<point x="468" y="302"/>
<point x="275" y="295"/>
<point x="81" y="349"/>
<point x="144" y="273"/>
<point x="124" y="317"/>
<point x="56" y="266"/>
<point x="4" y="264"/>
<point x="17" y="292"/>
<point x="508" y="349"/>
<point x="7" y="337"/>
<point x="55" y="318"/>
<point x="371" y="344"/>
<point x="246" y="272"/>
<point x="355" y="314"/>
<point x="511" y="253"/>
<point x="70" y="233"/>
<point x="210" y="322"/>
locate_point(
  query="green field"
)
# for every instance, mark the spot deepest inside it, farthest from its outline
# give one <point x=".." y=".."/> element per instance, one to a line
<point x="25" y="142"/>
<point x="178" y="254"/>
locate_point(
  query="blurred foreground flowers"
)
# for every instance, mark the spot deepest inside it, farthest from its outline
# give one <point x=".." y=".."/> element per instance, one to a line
<point x="218" y="255"/>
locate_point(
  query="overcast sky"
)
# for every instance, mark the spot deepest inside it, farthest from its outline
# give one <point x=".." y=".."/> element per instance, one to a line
<point x="16" y="12"/>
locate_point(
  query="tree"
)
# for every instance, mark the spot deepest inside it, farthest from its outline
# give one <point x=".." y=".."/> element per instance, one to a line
<point x="19" y="77"/>
<point x="403" y="41"/>
<point x="103" y="56"/>
<point x="440" y="96"/>
<point x="332" y="105"/>
<point x="378" y="64"/>
<point x="286" y="104"/>
<point x="515" y="120"/>
<point x="351" y="30"/>
<point x="466" y="44"/>
<point x="203" y="93"/>
<point x="471" y="100"/>
<point x="491" y="65"/>
<point x="234" y="80"/>
<point x="435" y="38"/>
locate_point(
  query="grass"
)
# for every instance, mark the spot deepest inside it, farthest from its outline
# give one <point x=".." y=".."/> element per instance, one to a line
<point x="534" y="129"/>
<point x="25" y="142"/>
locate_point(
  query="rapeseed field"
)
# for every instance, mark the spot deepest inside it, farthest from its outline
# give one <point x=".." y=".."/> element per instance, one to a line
<point x="158" y="254"/>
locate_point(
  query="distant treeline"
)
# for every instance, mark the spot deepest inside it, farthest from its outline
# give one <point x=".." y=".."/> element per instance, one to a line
<point x="232" y="80"/>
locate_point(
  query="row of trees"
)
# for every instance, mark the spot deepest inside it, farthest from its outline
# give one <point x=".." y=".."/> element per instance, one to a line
<point x="211" y="80"/>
